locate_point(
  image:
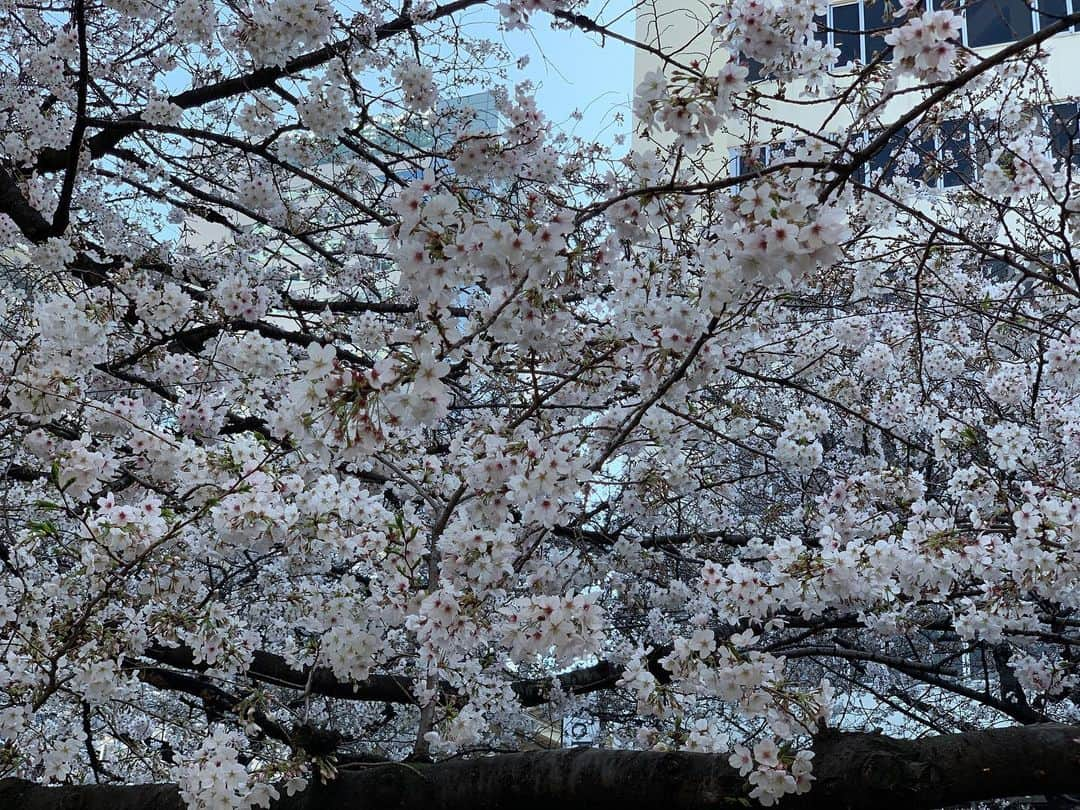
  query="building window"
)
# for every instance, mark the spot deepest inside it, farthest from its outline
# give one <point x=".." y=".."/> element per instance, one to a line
<point x="1063" y="129"/>
<point x="879" y="16"/>
<point x="755" y="158"/>
<point x="902" y="156"/>
<point x="957" y="165"/>
<point x="991" y="22"/>
<point x="946" y="157"/>
<point x="953" y="154"/>
<point x="1050" y="11"/>
<point x="848" y="27"/>
<point x="858" y="29"/>
<point x="846" y="23"/>
<point x="754" y="69"/>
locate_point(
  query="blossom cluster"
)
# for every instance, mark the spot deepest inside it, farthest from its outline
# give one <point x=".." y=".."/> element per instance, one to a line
<point x="278" y="29"/>
<point x="417" y="85"/>
<point x="214" y="778"/>
<point x="568" y="627"/>
<point x="926" y="45"/>
<point x="337" y="390"/>
<point x="772" y="777"/>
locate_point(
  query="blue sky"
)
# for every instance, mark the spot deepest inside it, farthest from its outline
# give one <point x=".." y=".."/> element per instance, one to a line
<point x="573" y="71"/>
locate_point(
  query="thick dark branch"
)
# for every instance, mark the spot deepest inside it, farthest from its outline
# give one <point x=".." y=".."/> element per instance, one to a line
<point x="63" y="207"/>
<point x="947" y="89"/>
<point x="653" y="541"/>
<point x="854" y="771"/>
<point x="874" y="771"/>
<point x="595" y="678"/>
<point x="52" y="160"/>
<point x="14" y="203"/>
<point x="216" y="701"/>
<point x="379" y="307"/>
<point x="275" y="670"/>
<point x="932" y="674"/>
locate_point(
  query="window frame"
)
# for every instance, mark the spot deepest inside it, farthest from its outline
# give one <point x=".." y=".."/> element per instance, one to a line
<point x="1033" y="12"/>
<point x="1071" y="7"/>
<point x="860" y="31"/>
<point x="965" y="170"/>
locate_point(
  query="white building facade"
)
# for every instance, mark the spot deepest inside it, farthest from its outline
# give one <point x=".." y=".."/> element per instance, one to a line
<point x="857" y="29"/>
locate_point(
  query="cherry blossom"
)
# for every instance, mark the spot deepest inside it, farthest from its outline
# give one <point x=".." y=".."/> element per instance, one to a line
<point x="352" y="415"/>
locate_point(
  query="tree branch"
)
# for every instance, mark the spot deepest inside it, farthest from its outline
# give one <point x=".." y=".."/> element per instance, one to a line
<point x="52" y="160"/>
<point x="276" y="671"/>
<point x="854" y="771"/>
<point x="63" y="207"/>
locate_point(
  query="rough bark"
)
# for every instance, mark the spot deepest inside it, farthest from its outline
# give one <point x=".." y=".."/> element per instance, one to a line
<point x="51" y="160"/>
<point x="269" y="668"/>
<point x="854" y="771"/>
<point x="273" y="669"/>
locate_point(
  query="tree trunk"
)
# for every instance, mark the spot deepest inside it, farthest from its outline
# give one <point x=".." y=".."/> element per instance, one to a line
<point x="853" y="771"/>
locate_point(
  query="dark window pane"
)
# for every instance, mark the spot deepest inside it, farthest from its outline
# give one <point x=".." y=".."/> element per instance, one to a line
<point x="783" y="151"/>
<point x="752" y="159"/>
<point x="1061" y="122"/>
<point x="880" y="165"/>
<point x="874" y="16"/>
<point x="990" y="22"/>
<point x="821" y="23"/>
<point x="860" y="141"/>
<point x="986" y="139"/>
<point x="957" y="166"/>
<point x="920" y="166"/>
<point x="845" y="20"/>
<point x="1000" y="270"/>
<point x="753" y="67"/>
<point x="883" y="164"/>
<point x="1050" y="11"/>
